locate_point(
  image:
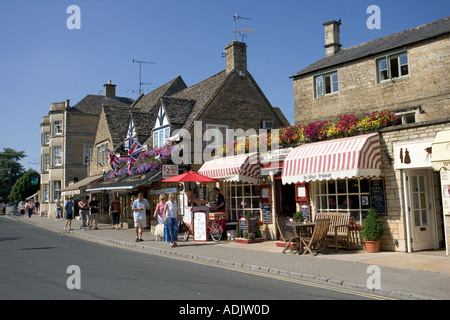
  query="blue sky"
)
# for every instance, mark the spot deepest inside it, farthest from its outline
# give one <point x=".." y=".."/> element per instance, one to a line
<point x="42" y="61"/>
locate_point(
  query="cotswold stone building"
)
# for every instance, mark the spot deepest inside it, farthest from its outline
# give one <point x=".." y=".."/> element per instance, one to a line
<point x="67" y="138"/>
<point x="406" y="72"/>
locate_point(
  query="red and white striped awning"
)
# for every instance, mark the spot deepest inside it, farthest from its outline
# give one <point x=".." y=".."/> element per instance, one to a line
<point x="243" y="167"/>
<point x="358" y="156"/>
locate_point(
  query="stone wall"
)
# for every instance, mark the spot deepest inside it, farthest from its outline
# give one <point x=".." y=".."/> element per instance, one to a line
<point x="359" y="91"/>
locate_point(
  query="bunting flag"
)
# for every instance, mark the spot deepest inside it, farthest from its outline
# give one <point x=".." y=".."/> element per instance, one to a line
<point x="134" y="152"/>
<point x="114" y="160"/>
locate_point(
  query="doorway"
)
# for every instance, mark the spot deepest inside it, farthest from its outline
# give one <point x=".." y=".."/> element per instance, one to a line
<point x="285" y="199"/>
<point x="422" y="212"/>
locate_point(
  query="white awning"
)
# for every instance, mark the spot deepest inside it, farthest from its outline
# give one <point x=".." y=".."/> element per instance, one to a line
<point x="358" y="156"/>
<point x="242" y="167"/>
<point x="440" y="150"/>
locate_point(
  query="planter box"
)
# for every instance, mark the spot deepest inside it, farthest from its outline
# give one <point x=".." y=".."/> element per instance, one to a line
<point x="247" y="241"/>
<point x="282" y="245"/>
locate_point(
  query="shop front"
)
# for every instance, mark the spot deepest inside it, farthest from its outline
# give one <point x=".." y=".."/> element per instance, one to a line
<point x="341" y="175"/>
<point x="441" y="164"/>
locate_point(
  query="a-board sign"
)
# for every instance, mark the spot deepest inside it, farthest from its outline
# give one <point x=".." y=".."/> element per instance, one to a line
<point x="253" y="225"/>
<point x="305" y="212"/>
<point x="200" y="226"/>
<point x="378" y="196"/>
<point x="249" y="226"/>
<point x="267" y="213"/>
<point x="243" y="226"/>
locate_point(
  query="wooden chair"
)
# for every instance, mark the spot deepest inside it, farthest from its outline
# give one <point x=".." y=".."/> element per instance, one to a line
<point x="287" y="234"/>
<point x="317" y="240"/>
<point x="339" y="229"/>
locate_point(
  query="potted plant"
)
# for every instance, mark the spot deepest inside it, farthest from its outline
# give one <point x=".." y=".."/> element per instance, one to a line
<point x="372" y="231"/>
<point x="298" y="216"/>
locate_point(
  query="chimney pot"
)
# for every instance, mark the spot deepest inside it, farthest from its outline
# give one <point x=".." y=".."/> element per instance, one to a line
<point x="236" y="56"/>
<point x="110" y="89"/>
<point x="332" y="35"/>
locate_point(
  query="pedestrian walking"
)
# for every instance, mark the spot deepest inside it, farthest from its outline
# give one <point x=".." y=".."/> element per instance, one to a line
<point x="94" y="206"/>
<point x="69" y="214"/>
<point x="159" y="210"/>
<point x="140" y="207"/>
<point x="170" y="221"/>
<point x="30" y="208"/>
<point x="58" y="210"/>
<point x="37" y="206"/>
<point x="114" y="212"/>
<point x="84" y="211"/>
<point x="22" y="208"/>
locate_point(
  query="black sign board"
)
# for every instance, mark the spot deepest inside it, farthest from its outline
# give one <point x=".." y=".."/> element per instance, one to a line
<point x="378" y="196"/>
<point x="267" y="213"/>
<point x="253" y="225"/>
<point x="243" y="226"/>
<point x="305" y="212"/>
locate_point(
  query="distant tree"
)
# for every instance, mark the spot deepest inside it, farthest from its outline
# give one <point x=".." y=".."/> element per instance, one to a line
<point x="23" y="188"/>
<point x="10" y="170"/>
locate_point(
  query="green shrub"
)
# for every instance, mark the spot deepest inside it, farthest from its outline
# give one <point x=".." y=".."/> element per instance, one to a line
<point x="372" y="229"/>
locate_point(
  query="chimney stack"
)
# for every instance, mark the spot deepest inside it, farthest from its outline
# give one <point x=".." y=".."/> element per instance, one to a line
<point x="110" y="89"/>
<point x="332" y="44"/>
<point x="236" y="56"/>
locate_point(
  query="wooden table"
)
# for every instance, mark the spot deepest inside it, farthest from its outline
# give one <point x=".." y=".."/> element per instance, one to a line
<point x="299" y="227"/>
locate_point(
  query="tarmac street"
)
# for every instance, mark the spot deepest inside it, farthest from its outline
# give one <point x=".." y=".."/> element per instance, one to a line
<point x="422" y="275"/>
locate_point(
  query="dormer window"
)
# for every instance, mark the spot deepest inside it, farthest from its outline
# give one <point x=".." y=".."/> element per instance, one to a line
<point x="392" y="66"/>
<point x="326" y="84"/>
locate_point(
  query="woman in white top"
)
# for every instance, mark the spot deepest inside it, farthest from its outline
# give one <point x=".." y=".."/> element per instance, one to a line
<point x="170" y="221"/>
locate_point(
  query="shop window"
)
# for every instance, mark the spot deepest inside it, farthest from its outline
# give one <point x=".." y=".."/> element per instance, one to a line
<point x="349" y="195"/>
<point x="242" y="199"/>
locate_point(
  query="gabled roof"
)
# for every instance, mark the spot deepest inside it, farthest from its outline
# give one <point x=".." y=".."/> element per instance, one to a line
<point x="377" y="46"/>
<point x="146" y="103"/>
<point x="202" y="92"/>
<point x="92" y="104"/>
<point x="118" y="120"/>
<point x="177" y="110"/>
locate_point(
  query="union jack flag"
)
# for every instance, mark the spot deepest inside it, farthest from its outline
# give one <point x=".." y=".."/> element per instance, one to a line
<point x="114" y="160"/>
<point x="134" y="152"/>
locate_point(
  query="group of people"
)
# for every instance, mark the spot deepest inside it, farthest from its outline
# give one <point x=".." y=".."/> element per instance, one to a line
<point x="29" y="208"/>
<point x="166" y="213"/>
<point x="88" y="211"/>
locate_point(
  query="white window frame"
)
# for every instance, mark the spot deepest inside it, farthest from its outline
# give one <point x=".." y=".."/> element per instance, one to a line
<point x="320" y="86"/>
<point x="56" y="190"/>
<point x="321" y="194"/>
<point x="388" y="59"/>
<point x="46" y="162"/>
<point x="102" y="154"/>
<point x="57" y="127"/>
<point x="57" y="156"/>
<point x="239" y="194"/>
<point x="159" y="140"/>
<point x="46" y="193"/>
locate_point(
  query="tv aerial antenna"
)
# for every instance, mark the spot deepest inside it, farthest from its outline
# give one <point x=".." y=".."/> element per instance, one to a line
<point x="140" y="72"/>
<point x="242" y="32"/>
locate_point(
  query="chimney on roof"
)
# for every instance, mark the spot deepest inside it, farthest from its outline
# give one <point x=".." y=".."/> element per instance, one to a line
<point x="332" y="44"/>
<point x="110" y="89"/>
<point x="236" y="56"/>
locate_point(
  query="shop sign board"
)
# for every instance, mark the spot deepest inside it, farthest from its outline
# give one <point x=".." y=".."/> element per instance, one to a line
<point x="412" y="155"/>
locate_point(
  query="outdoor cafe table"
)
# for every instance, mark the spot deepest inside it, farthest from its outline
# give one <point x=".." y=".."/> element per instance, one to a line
<point x="300" y="230"/>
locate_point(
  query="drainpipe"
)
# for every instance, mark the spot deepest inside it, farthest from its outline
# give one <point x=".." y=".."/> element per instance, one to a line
<point x="407" y="213"/>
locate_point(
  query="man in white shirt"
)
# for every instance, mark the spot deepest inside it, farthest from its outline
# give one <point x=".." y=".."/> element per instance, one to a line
<point x="140" y="207"/>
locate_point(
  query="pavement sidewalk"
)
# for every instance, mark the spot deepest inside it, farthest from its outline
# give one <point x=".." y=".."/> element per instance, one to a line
<point x="423" y="275"/>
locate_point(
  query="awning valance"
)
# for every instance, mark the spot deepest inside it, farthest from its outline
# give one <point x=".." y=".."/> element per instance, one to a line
<point x="357" y="156"/>
<point x="75" y="188"/>
<point x="127" y="182"/>
<point x="440" y="150"/>
<point x="242" y="167"/>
